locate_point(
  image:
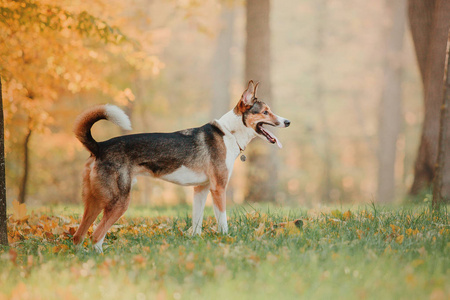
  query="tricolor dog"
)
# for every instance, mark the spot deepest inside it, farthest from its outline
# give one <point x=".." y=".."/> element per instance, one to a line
<point x="202" y="157"/>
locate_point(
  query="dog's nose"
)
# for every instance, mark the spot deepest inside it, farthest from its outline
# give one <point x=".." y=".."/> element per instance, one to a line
<point x="287" y="123"/>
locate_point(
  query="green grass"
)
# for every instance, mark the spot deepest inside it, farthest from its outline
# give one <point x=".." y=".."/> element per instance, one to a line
<point x="370" y="253"/>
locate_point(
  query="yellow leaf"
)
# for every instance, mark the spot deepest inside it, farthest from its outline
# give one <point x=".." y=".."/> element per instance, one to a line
<point x="260" y="230"/>
<point x="336" y="213"/>
<point x="417" y="262"/>
<point x="19" y="211"/>
<point x="359" y="233"/>
<point x="60" y="248"/>
<point x="190" y="266"/>
<point x="399" y="239"/>
<point x="347" y="215"/>
<point x="291" y="228"/>
<point x="394" y="228"/>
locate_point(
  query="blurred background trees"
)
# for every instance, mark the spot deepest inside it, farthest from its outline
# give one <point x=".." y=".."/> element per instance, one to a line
<point x="337" y="69"/>
<point x="262" y="169"/>
<point x="390" y="110"/>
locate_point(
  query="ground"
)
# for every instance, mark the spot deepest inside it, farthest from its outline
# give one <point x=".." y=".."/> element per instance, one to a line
<point x="364" y="252"/>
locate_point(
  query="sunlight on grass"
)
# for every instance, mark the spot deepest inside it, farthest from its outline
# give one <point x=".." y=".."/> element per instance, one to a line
<point x="366" y="252"/>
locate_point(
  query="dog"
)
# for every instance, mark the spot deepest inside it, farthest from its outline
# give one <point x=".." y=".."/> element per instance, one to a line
<point x="202" y="157"/>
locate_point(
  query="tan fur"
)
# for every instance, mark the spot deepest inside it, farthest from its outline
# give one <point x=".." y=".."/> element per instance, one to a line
<point x="98" y="195"/>
<point x="218" y="184"/>
<point x="253" y="120"/>
<point x="87" y="118"/>
<point x="109" y="171"/>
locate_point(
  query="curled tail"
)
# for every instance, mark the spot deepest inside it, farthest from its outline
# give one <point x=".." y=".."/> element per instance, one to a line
<point x="85" y="120"/>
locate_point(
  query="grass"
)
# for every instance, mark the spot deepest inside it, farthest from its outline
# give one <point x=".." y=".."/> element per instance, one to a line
<point x="362" y="253"/>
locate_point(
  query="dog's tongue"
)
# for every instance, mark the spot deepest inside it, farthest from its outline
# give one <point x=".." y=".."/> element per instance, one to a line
<point x="272" y="137"/>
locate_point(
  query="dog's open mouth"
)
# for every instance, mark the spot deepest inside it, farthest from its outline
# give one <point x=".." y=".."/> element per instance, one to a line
<point x="267" y="134"/>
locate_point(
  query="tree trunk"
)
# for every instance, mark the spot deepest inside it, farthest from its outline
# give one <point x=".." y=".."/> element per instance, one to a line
<point x="320" y="90"/>
<point x="26" y="167"/>
<point x="222" y="64"/>
<point x="262" y="168"/>
<point x="434" y="49"/>
<point x="438" y="195"/>
<point x="420" y="15"/>
<point x="3" y="219"/>
<point x="390" y="106"/>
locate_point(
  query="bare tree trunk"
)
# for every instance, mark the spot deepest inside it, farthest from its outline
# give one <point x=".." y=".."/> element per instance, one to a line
<point x="262" y="168"/>
<point x="222" y="69"/>
<point x="432" y="77"/>
<point x="222" y="64"/>
<point x="420" y="15"/>
<point x="390" y="106"/>
<point x="438" y="183"/>
<point x="3" y="219"/>
<point x="26" y="167"/>
<point x="320" y="89"/>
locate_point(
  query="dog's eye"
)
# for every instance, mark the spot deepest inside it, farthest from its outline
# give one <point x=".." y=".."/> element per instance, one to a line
<point x="266" y="112"/>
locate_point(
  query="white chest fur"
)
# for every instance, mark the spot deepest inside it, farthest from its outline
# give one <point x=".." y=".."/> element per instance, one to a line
<point x="236" y="137"/>
<point x="186" y="176"/>
<point x="232" y="152"/>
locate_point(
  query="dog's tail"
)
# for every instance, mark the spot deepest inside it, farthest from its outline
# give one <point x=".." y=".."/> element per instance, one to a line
<point x="84" y="123"/>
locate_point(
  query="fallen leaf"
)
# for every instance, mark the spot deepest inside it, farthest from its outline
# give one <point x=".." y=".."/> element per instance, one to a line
<point x="260" y="230"/>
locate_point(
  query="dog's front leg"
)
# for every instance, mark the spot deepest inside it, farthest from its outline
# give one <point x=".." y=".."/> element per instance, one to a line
<point x="219" y="199"/>
<point x="200" y="194"/>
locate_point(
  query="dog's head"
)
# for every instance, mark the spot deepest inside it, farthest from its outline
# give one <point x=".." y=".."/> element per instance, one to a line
<point x="255" y="114"/>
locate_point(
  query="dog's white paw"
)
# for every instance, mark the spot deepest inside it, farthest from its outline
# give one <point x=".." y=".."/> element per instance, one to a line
<point x="98" y="248"/>
<point x="194" y="232"/>
<point x="223" y="228"/>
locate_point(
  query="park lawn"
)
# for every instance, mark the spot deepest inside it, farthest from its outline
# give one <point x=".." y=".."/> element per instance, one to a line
<point x="361" y="253"/>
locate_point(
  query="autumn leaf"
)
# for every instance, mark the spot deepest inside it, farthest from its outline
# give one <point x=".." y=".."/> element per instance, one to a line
<point x="60" y="248"/>
<point x="190" y="266"/>
<point x="336" y="213"/>
<point x="395" y="229"/>
<point x="347" y="215"/>
<point x="260" y="230"/>
<point x="298" y="223"/>
<point x="292" y="229"/>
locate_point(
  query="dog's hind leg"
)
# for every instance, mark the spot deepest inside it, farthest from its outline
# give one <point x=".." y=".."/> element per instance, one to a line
<point x="92" y="206"/>
<point x="110" y="216"/>
<point x="200" y="194"/>
<point x="91" y="210"/>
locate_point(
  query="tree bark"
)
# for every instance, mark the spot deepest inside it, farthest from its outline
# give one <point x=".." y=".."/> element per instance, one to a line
<point x="438" y="195"/>
<point x="3" y="218"/>
<point x="390" y="105"/>
<point x="420" y="15"/>
<point x="222" y="64"/>
<point x="320" y="90"/>
<point x="262" y="168"/>
<point x="434" y="49"/>
<point x="26" y="168"/>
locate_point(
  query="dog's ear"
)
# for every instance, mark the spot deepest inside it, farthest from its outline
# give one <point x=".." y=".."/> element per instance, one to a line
<point x="248" y="97"/>
<point x="255" y="89"/>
